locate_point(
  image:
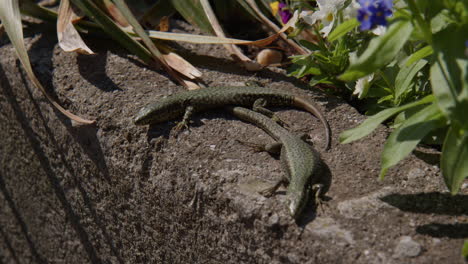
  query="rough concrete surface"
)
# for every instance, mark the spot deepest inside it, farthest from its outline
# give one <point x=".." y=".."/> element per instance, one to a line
<point x="118" y="193"/>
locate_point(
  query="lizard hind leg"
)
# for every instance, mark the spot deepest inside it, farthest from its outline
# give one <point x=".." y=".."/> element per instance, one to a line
<point x="268" y="192"/>
<point x="259" y="106"/>
<point x="272" y="148"/>
<point x="317" y="190"/>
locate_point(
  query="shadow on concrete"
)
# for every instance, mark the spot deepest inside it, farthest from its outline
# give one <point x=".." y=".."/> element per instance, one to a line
<point x="429" y="203"/>
<point x="22" y="224"/>
<point x="458" y="230"/>
<point x="53" y="179"/>
<point x="96" y="74"/>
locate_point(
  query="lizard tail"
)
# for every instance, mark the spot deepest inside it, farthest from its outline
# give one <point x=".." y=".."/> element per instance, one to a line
<point x="311" y="108"/>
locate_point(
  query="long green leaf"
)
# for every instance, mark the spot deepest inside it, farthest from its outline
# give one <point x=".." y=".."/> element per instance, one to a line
<point x="454" y="158"/>
<point x="449" y="74"/>
<point x="405" y="76"/>
<point x="11" y="19"/>
<point x="249" y="9"/>
<point x="193" y="12"/>
<point x="405" y="138"/>
<point x="380" y="52"/>
<point x="373" y="122"/>
<point x="342" y="29"/>
<point x="420" y="54"/>
<point x="123" y="8"/>
<point x="465" y="250"/>
<point x="108" y="25"/>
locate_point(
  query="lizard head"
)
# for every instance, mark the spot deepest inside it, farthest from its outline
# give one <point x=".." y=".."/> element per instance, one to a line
<point x="297" y="202"/>
<point x="158" y="112"/>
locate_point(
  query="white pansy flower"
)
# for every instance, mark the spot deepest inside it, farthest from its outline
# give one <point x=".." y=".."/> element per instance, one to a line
<point x="362" y="85"/>
<point x="379" y="30"/>
<point x="351" y="10"/>
<point x="326" y="13"/>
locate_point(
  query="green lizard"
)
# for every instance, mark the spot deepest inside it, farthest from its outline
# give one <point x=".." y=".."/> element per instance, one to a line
<point x="188" y="102"/>
<point x="300" y="161"/>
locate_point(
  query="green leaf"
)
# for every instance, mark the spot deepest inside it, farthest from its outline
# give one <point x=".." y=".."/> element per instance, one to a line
<point x="454" y="158"/>
<point x="465" y="250"/>
<point x="123" y="8"/>
<point x="421" y="53"/>
<point x="405" y="138"/>
<point x="108" y="25"/>
<point x="342" y="29"/>
<point x="309" y="45"/>
<point x="449" y="74"/>
<point x="373" y="122"/>
<point x="380" y="52"/>
<point x="440" y="21"/>
<point x="405" y="76"/>
<point x="193" y="12"/>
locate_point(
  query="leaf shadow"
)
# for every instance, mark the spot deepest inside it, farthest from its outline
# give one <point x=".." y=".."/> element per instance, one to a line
<point x="434" y="203"/>
<point x="457" y="230"/>
<point x="429" y="203"/>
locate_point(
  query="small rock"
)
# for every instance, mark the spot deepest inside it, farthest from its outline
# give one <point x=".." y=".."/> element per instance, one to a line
<point x="269" y="56"/>
<point x="415" y="173"/>
<point x="464" y="185"/>
<point x="273" y="220"/>
<point x="367" y="205"/>
<point x="436" y="241"/>
<point x="407" y="247"/>
<point x="327" y="228"/>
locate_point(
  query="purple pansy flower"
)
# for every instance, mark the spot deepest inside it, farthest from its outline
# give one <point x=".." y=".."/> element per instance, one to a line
<point x="284" y="13"/>
<point x="373" y="13"/>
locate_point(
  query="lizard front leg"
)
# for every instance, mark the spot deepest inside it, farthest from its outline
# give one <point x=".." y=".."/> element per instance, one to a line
<point x="185" y="120"/>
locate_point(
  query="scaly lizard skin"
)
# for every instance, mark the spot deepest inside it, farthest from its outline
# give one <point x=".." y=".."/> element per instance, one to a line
<point x="300" y="161"/>
<point x="188" y="102"/>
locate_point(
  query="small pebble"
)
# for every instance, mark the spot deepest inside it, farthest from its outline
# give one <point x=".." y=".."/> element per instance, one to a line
<point x="407" y="247"/>
<point x="269" y="56"/>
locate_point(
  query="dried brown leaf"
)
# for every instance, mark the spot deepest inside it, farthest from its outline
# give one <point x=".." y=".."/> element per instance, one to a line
<point x="182" y="66"/>
<point x="68" y="37"/>
<point x="164" y="24"/>
<point x="11" y="18"/>
<point x="275" y="28"/>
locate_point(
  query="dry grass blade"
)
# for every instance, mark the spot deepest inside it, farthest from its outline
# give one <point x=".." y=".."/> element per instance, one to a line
<point x="149" y="43"/>
<point x="275" y="28"/>
<point x="200" y="39"/>
<point x="68" y="38"/>
<point x="11" y="18"/>
<point x="114" y="12"/>
<point x="234" y="51"/>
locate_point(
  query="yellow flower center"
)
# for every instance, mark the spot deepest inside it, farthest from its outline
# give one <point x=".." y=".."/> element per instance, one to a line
<point x="274" y="7"/>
